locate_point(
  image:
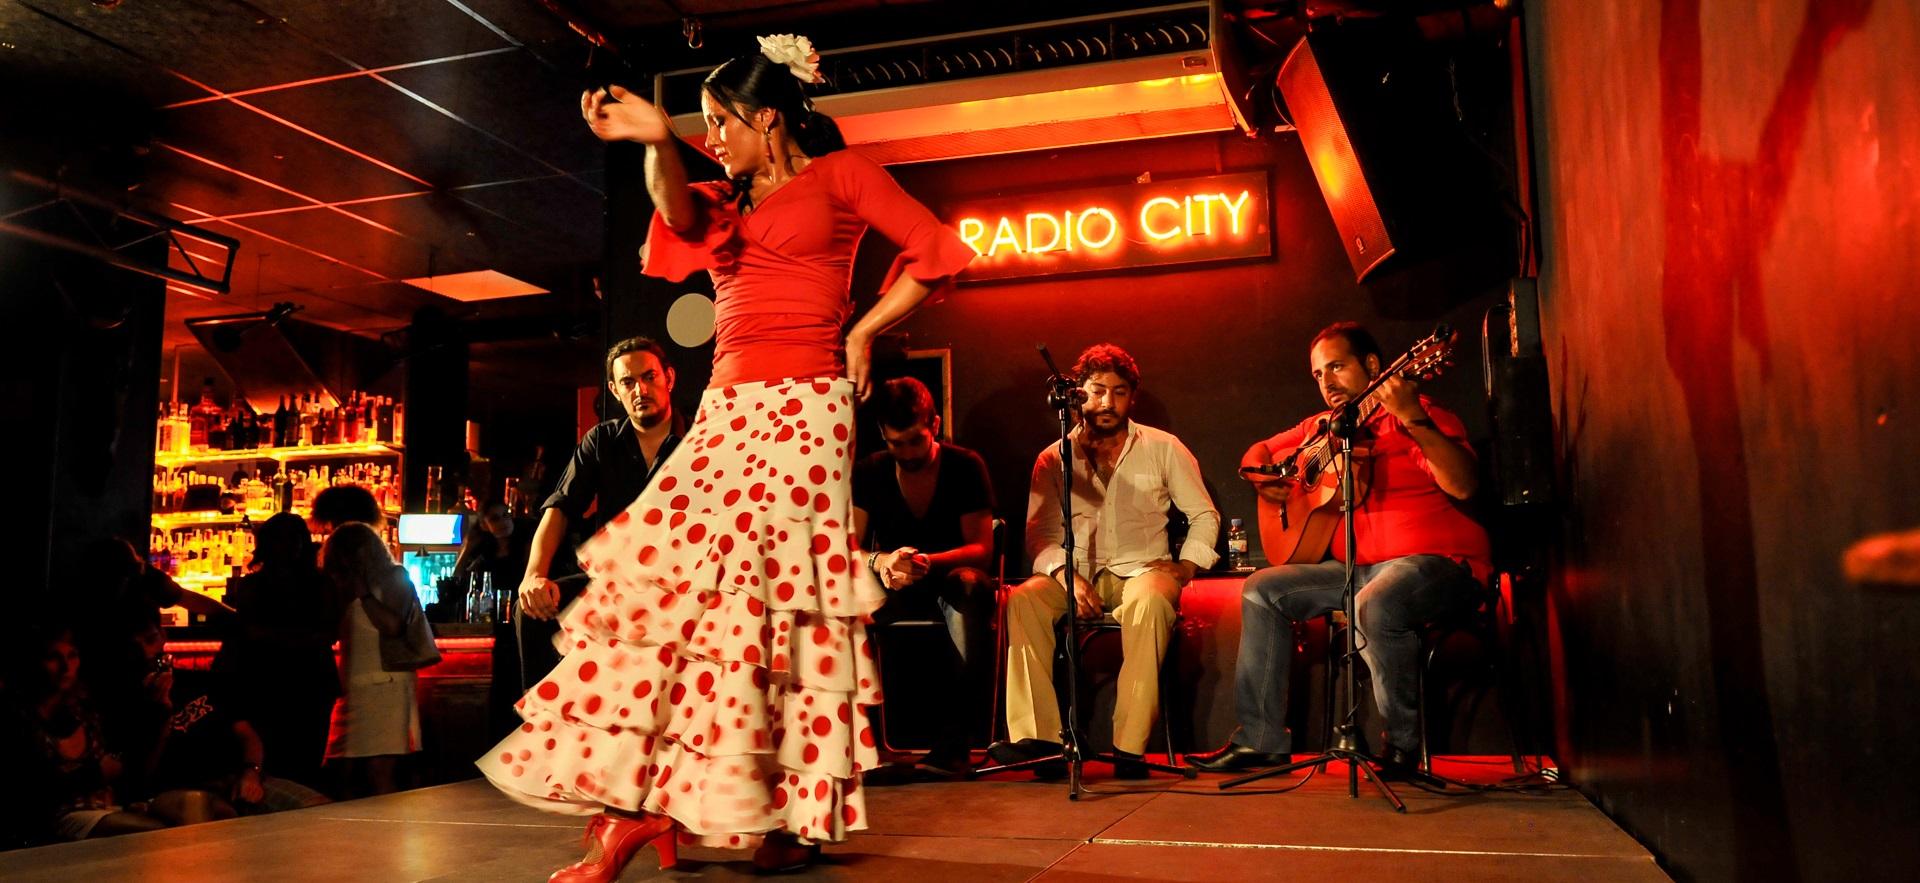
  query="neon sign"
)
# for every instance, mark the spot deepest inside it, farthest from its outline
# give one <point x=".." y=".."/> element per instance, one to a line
<point x="1221" y="217"/>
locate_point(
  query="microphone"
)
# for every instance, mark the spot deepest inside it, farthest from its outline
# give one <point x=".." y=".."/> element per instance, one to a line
<point x="1065" y="386"/>
<point x="1052" y="368"/>
<point x="1281" y="469"/>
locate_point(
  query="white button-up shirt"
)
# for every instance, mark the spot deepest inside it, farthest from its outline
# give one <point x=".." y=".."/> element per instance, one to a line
<point x="1120" y="524"/>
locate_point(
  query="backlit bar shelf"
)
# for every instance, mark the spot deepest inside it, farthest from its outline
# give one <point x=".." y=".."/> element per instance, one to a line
<point x="278" y="455"/>
<point x="178" y="520"/>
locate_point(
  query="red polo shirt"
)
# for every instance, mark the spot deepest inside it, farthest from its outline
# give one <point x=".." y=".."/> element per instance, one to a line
<point x="1405" y="512"/>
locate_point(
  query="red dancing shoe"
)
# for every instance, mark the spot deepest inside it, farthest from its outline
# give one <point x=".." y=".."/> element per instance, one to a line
<point x="619" y="838"/>
<point x="780" y="853"/>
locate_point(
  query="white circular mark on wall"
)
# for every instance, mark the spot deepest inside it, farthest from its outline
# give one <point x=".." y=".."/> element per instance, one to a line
<point x="690" y="319"/>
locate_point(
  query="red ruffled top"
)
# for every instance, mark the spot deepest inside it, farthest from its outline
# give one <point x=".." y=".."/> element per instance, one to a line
<point x="781" y="274"/>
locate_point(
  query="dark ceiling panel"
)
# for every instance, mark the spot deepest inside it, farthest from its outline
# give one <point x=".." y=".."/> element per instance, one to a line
<point x="559" y="206"/>
<point x="46" y="55"/>
<point x="613" y="14"/>
<point x="389" y="32"/>
<point x="382" y="122"/>
<point x="470" y="237"/>
<point x="517" y="98"/>
<point x="626" y="14"/>
<point x="216" y="42"/>
<point x="395" y="300"/>
<point x="173" y="180"/>
<point x="235" y="137"/>
<point x="526" y="22"/>
<point x="275" y="265"/>
<point x="357" y="243"/>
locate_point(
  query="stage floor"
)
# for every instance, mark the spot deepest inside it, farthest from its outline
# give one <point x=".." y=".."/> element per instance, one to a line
<point x="1003" y="828"/>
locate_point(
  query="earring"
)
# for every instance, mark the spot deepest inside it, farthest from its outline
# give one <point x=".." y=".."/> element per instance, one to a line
<point x="769" y="142"/>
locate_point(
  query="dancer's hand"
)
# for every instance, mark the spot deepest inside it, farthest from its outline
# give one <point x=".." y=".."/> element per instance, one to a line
<point x="615" y="114"/>
<point x="858" y="363"/>
<point x="539" y="597"/>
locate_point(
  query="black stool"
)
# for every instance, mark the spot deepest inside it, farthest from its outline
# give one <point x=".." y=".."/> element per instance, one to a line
<point x="1091" y="629"/>
<point x="1482" y="620"/>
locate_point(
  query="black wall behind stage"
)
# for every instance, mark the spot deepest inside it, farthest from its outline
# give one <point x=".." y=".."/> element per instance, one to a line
<point x="1222" y="347"/>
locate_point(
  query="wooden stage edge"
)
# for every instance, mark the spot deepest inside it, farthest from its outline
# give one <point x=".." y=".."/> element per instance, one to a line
<point x="1008" y="828"/>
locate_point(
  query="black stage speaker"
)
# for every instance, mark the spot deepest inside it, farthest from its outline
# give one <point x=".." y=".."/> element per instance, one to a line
<point x="1519" y="398"/>
<point x="1371" y="107"/>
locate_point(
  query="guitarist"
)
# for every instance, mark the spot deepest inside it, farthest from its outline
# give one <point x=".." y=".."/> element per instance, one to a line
<point x="1420" y="555"/>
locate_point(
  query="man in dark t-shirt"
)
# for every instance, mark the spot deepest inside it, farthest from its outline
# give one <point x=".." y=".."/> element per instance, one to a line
<point x="924" y="510"/>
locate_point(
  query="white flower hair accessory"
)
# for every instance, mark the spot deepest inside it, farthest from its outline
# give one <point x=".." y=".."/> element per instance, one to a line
<point x="794" y="51"/>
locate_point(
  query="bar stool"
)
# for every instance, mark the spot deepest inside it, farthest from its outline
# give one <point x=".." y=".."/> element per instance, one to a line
<point x="1482" y="621"/>
<point x="998" y="564"/>
<point x="1092" y="629"/>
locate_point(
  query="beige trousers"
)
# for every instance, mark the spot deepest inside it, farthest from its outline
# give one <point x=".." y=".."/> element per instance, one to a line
<point x="1144" y="607"/>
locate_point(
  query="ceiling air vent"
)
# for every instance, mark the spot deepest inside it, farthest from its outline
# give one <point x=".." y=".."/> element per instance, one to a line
<point x="1146" y="73"/>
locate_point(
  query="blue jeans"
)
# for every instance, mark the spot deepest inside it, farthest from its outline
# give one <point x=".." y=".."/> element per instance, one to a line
<point x="1396" y="599"/>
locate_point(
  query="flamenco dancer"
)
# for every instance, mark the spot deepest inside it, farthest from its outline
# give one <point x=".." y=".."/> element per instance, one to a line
<point x="717" y="666"/>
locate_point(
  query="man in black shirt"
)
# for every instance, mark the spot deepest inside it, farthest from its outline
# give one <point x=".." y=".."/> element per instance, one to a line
<point x="609" y="469"/>
<point x="926" y="510"/>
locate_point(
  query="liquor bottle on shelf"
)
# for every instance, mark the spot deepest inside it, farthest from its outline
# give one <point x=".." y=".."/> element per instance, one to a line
<point x="383" y="420"/>
<point x="350" y="423"/>
<point x="163" y="431"/>
<point x="233" y="436"/>
<point x="206" y="416"/>
<point x="281" y="436"/>
<point x="306" y="414"/>
<point x="399" y="423"/>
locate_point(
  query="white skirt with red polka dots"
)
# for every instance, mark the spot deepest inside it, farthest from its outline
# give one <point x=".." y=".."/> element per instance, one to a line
<point x="717" y="667"/>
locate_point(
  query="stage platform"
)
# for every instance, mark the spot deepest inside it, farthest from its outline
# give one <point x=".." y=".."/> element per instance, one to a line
<point x="1002" y="828"/>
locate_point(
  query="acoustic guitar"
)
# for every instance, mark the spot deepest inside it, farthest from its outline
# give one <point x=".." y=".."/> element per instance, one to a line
<point x="1300" y="530"/>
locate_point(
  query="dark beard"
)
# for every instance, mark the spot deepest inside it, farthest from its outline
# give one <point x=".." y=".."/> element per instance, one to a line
<point x="1095" y="432"/>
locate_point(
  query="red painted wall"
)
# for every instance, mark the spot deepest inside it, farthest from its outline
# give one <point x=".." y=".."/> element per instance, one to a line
<point x="1729" y="193"/>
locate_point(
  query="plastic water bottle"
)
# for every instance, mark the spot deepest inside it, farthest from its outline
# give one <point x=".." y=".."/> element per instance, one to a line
<point x="1236" y="546"/>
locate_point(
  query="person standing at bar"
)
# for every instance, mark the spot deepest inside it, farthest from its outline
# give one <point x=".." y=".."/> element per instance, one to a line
<point x="717" y="665"/>
<point x="612" y="464"/>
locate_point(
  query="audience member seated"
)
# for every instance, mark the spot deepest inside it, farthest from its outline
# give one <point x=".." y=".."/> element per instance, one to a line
<point x="277" y="659"/>
<point x="206" y="743"/>
<point x="116" y="590"/>
<point x="384" y="639"/>
<point x="70" y="784"/>
<point x="924" y="509"/>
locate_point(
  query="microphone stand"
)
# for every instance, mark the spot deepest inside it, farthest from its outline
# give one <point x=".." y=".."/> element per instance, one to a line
<point x="1063" y="393"/>
<point x="1343" y="427"/>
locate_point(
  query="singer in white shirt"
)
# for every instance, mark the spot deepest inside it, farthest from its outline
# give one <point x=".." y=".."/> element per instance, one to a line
<point x="1124" y="477"/>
